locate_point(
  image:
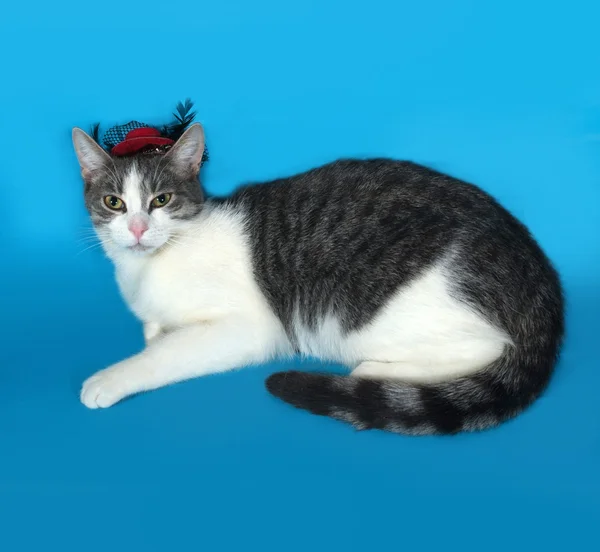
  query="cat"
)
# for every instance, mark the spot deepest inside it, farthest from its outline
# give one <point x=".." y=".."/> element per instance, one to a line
<point x="446" y="311"/>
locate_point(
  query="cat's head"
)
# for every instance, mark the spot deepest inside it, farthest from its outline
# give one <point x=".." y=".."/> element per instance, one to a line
<point x="139" y="203"/>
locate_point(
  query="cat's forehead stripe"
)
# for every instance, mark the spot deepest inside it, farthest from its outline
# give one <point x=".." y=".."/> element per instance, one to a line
<point x="132" y="189"/>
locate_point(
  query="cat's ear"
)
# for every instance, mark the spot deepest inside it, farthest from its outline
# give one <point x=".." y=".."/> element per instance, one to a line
<point x="186" y="154"/>
<point x="90" y="155"/>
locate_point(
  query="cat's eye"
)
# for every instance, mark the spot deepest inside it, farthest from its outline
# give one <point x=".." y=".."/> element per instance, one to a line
<point x="161" y="200"/>
<point x="113" y="202"/>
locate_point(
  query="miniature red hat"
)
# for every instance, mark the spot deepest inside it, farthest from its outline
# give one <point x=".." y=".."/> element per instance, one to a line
<point x="135" y="137"/>
<point x="139" y="139"/>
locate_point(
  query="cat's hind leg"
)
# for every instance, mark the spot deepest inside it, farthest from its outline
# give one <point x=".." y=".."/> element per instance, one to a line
<point x="425" y="334"/>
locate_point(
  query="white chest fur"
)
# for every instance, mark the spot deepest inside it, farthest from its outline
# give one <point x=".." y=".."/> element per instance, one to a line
<point x="205" y="275"/>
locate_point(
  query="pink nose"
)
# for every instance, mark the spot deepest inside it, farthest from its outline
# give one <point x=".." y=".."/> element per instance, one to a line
<point x="137" y="228"/>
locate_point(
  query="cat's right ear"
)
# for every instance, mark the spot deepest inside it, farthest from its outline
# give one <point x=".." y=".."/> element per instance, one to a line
<point x="90" y="155"/>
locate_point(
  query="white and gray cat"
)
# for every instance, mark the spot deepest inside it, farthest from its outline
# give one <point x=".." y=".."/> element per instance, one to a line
<point x="444" y="308"/>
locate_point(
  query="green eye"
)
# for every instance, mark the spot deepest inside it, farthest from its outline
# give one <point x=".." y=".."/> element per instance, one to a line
<point x="161" y="200"/>
<point x="113" y="202"/>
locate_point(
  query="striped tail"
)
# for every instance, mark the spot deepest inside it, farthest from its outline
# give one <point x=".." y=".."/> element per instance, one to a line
<point x="476" y="402"/>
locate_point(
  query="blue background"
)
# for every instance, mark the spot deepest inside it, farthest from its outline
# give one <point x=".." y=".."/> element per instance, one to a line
<point x="505" y="94"/>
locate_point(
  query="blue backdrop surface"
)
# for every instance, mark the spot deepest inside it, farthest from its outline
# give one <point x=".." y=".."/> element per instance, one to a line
<point x="504" y="94"/>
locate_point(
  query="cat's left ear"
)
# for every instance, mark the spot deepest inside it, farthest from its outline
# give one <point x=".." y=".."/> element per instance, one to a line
<point x="186" y="154"/>
<point x="90" y="155"/>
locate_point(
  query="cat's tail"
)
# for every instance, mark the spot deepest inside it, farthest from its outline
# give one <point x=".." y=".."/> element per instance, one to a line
<point x="476" y="402"/>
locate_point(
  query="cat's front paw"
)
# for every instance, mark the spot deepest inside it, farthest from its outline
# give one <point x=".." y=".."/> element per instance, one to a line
<point x="152" y="330"/>
<point x="104" y="388"/>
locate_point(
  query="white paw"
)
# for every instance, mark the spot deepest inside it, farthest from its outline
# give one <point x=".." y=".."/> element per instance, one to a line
<point x="152" y="330"/>
<point x="368" y="370"/>
<point x="104" y="388"/>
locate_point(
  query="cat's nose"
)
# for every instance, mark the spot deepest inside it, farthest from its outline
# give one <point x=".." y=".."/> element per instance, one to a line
<point x="137" y="228"/>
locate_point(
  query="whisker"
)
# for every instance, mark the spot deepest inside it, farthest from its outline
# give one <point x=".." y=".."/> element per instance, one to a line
<point x="113" y="172"/>
<point x="89" y="239"/>
<point x="156" y="169"/>
<point x="172" y="241"/>
<point x="93" y="246"/>
<point x="162" y="170"/>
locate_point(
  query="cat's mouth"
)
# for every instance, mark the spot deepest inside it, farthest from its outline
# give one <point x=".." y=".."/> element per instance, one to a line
<point x="139" y="248"/>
